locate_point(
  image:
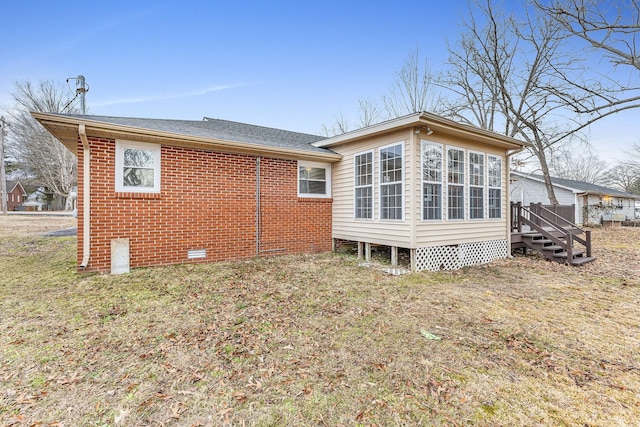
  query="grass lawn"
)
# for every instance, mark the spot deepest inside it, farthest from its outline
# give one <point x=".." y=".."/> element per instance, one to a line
<point x="317" y="340"/>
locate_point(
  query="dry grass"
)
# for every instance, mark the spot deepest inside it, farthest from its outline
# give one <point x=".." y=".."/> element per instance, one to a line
<point x="319" y="340"/>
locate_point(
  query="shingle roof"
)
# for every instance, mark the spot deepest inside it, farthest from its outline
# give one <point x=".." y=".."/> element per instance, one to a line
<point x="220" y="129"/>
<point x="11" y="184"/>
<point x="584" y="187"/>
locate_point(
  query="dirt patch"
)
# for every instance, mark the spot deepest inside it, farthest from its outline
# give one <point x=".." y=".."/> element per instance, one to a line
<point x="29" y="225"/>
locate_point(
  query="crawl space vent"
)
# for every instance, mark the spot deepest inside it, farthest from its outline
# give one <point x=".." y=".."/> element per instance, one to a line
<point x="197" y="253"/>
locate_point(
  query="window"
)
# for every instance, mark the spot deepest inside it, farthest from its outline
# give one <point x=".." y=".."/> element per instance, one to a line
<point x="494" y="173"/>
<point x="476" y="186"/>
<point x="364" y="185"/>
<point x="391" y="182"/>
<point x="455" y="183"/>
<point x="431" y="181"/>
<point x="314" y="179"/>
<point x="137" y="167"/>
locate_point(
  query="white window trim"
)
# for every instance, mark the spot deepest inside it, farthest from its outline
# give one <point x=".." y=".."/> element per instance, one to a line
<point x="500" y="187"/>
<point x="326" y="167"/>
<point x="380" y="183"/>
<point x="423" y="143"/>
<point x="464" y="184"/>
<point x="484" y="186"/>
<point x="122" y="145"/>
<point x="373" y="179"/>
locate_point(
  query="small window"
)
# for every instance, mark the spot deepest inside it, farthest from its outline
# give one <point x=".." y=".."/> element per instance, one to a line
<point x="137" y="167"/>
<point x="314" y="179"/>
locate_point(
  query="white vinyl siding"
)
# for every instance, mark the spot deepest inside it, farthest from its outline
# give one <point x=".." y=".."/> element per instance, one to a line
<point x="363" y="172"/>
<point x="391" y="177"/>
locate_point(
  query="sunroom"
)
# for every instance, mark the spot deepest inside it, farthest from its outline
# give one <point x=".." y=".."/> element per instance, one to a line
<point x="426" y="184"/>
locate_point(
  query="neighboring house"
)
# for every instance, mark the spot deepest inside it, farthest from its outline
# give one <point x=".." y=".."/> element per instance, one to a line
<point x="592" y="201"/>
<point x="154" y="192"/>
<point x="15" y="195"/>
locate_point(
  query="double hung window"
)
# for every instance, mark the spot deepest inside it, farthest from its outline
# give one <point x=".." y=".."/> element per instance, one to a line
<point x="391" y="171"/>
<point x="494" y="172"/>
<point x="364" y="185"/>
<point x="476" y="185"/>
<point x="431" y="181"/>
<point x="455" y="183"/>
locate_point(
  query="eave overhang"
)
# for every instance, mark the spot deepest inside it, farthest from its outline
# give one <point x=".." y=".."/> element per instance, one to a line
<point x="436" y="123"/>
<point x="65" y="129"/>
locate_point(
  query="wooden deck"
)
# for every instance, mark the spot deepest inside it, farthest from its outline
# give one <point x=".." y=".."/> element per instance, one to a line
<point x="545" y="232"/>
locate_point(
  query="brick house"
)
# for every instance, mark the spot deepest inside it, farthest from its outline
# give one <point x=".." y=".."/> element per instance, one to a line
<point x="158" y="192"/>
<point x="15" y="195"/>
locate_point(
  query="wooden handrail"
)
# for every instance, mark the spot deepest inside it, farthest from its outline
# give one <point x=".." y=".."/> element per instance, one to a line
<point x="560" y="217"/>
<point x="570" y="237"/>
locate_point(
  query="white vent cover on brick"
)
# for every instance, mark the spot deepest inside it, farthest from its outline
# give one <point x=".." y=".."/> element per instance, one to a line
<point x="197" y="253"/>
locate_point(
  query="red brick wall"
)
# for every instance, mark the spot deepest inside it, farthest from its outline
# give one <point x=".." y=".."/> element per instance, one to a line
<point x="14" y="199"/>
<point x="207" y="201"/>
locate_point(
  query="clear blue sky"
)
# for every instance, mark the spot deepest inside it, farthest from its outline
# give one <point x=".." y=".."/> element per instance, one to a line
<point x="284" y="64"/>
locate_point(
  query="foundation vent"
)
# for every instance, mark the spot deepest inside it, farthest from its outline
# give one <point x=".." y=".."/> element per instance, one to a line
<point x="197" y="253"/>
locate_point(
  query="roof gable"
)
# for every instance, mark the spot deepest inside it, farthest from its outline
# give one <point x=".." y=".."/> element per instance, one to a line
<point x="12" y="185"/>
<point x="434" y="123"/>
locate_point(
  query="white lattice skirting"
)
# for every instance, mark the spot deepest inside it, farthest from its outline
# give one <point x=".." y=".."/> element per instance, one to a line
<point x="453" y="257"/>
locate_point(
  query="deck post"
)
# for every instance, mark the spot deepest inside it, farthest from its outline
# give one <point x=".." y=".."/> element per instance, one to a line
<point x="412" y="256"/>
<point x="570" y="249"/>
<point x="394" y="256"/>
<point x="367" y="251"/>
<point x="588" y="239"/>
<point x="360" y="250"/>
<point x="519" y="217"/>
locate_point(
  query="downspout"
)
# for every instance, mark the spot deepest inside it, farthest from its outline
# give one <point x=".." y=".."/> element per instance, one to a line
<point x="258" y="206"/>
<point x="86" y="202"/>
<point x="508" y="155"/>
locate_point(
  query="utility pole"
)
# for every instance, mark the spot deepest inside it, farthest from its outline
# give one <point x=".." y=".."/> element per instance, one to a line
<point x="81" y="89"/>
<point x="3" y="172"/>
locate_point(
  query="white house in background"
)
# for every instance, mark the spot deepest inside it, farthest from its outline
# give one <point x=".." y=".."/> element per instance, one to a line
<point x="592" y="201"/>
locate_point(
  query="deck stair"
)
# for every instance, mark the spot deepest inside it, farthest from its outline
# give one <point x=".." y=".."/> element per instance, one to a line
<point x="554" y="237"/>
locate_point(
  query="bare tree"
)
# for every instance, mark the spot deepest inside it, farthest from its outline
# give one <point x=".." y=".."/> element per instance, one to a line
<point x="625" y="174"/>
<point x="568" y="163"/>
<point x="502" y="69"/>
<point x="370" y="112"/>
<point x="625" y="177"/>
<point x="413" y="88"/>
<point x="612" y="31"/>
<point x="45" y="160"/>
<point x="339" y="126"/>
